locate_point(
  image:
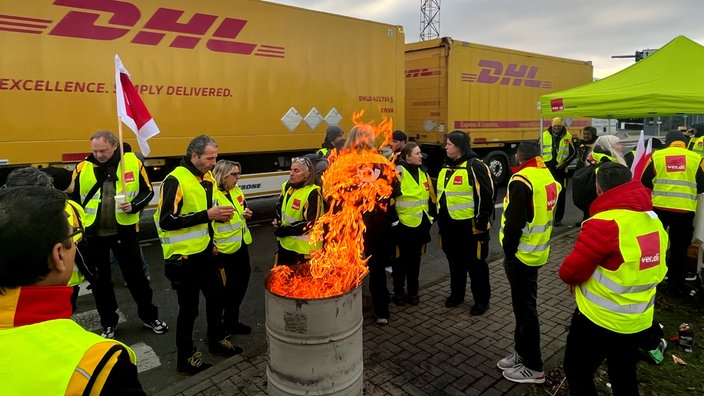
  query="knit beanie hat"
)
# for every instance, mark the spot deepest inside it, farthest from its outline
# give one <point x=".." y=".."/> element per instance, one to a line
<point x="333" y="132"/>
<point x="557" y="121"/>
<point x="61" y="176"/>
<point x="675" y="136"/>
<point x="399" y="135"/>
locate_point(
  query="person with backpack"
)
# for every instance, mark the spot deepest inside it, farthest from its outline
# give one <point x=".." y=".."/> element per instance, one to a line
<point x="606" y="148"/>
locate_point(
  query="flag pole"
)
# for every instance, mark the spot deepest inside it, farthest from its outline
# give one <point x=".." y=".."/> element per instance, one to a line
<point x="122" y="155"/>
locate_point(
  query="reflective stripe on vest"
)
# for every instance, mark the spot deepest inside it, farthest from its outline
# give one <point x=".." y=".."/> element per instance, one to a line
<point x="413" y="201"/>
<point x="534" y="244"/>
<point x="622" y="300"/>
<point x="459" y="194"/>
<point x="696" y="144"/>
<point x="674" y="185"/>
<point x="42" y="358"/>
<point x="75" y="218"/>
<point x="563" y="149"/>
<point x="228" y="237"/>
<point x="190" y="240"/>
<point x="87" y="180"/>
<point x="292" y="209"/>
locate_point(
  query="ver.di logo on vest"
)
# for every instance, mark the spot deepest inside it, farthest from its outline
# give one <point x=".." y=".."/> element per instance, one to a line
<point x="675" y="163"/>
<point x="551" y="192"/>
<point x="649" y="250"/>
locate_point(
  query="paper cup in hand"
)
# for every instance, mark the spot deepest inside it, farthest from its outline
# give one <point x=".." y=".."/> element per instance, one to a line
<point x="119" y="199"/>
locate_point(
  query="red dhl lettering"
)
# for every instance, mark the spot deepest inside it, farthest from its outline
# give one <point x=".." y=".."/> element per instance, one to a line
<point x="494" y="72"/>
<point x="12" y="84"/>
<point x="82" y="21"/>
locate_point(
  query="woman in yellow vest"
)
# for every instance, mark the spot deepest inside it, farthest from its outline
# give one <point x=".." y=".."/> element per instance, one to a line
<point x="613" y="270"/>
<point x="465" y="205"/>
<point x="415" y="208"/>
<point x="298" y="208"/>
<point x="44" y="352"/>
<point x="231" y="239"/>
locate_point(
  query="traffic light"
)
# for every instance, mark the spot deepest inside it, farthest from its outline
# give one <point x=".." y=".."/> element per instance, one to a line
<point x="639" y="55"/>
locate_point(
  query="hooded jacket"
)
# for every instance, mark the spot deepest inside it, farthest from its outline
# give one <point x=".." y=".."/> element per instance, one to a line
<point x="598" y="243"/>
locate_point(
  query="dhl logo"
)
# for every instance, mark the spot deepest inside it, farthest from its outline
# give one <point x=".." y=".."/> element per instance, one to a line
<point x="424" y="72"/>
<point x="81" y="21"/>
<point x="494" y="72"/>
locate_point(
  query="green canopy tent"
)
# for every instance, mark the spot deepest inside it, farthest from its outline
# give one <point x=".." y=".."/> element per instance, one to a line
<point x="666" y="83"/>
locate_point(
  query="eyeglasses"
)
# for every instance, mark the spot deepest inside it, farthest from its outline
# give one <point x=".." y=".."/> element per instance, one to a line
<point x="298" y="159"/>
<point x="76" y="235"/>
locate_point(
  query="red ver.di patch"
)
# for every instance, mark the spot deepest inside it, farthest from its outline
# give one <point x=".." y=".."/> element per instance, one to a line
<point x="458" y="180"/>
<point x="649" y="250"/>
<point x="296" y="204"/>
<point x="551" y="192"/>
<point x="129" y="177"/>
<point x="675" y="163"/>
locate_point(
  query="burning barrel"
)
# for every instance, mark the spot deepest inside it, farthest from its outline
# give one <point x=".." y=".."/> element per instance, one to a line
<point x="315" y="345"/>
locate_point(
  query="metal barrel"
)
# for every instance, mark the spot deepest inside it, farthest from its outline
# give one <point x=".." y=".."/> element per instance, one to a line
<point x="315" y="345"/>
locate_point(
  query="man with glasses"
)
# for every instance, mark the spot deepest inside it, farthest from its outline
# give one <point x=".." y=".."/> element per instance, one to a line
<point x="183" y="220"/>
<point x="111" y="224"/>
<point x="36" y="262"/>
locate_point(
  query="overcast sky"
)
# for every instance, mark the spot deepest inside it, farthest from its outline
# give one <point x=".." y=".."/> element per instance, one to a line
<point x="591" y="30"/>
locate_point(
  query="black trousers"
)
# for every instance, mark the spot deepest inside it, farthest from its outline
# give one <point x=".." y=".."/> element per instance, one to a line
<point x="466" y="254"/>
<point x="588" y="345"/>
<point x="237" y="272"/>
<point x="379" y="257"/>
<point x="125" y="246"/>
<point x="189" y="277"/>
<point x="523" y="280"/>
<point x="681" y="230"/>
<point x="406" y="267"/>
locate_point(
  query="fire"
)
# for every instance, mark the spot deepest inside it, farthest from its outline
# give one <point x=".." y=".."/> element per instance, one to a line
<point x="351" y="186"/>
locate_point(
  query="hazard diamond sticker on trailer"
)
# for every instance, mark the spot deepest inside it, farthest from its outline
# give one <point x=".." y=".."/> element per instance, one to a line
<point x="313" y="118"/>
<point x="291" y="119"/>
<point x="333" y="117"/>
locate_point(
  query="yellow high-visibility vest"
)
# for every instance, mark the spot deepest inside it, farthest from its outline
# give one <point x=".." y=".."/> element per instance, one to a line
<point x="458" y="191"/>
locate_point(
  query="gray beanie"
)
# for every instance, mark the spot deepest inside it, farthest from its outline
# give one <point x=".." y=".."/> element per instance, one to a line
<point x="333" y="132"/>
<point x="675" y="136"/>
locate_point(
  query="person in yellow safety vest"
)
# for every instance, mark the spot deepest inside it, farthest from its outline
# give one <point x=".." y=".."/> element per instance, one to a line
<point x="60" y="179"/>
<point x="526" y="225"/>
<point x="333" y="141"/>
<point x="231" y="239"/>
<point x="43" y="350"/>
<point x="676" y="176"/>
<point x="558" y="152"/>
<point x="415" y="206"/>
<point x="112" y="225"/>
<point x="696" y="142"/>
<point x="465" y="206"/>
<point x="613" y="270"/>
<point x="298" y="208"/>
<point x="186" y="209"/>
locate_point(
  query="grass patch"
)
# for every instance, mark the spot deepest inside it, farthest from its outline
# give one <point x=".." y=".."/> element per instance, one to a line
<point x="666" y="378"/>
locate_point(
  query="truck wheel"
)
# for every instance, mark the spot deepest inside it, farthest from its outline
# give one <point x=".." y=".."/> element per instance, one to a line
<point x="497" y="161"/>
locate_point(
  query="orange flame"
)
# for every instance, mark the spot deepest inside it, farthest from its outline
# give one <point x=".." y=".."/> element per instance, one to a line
<point x="351" y="187"/>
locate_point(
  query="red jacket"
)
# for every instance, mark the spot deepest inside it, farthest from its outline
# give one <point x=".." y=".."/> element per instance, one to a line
<point x="597" y="244"/>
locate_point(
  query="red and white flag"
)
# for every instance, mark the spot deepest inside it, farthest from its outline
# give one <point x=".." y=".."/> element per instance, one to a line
<point x="131" y="110"/>
<point x="640" y="159"/>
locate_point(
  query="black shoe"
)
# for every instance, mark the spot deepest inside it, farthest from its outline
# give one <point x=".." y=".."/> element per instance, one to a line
<point x="452" y="302"/>
<point x="192" y="365"/>
<point x="225" y="347"/>
<point x="398" y="300"/>
<point x="240" y="328"/>
<point x="478" y="309"/>
<point x="413" y="300"/>
<point x="557" y="223"/>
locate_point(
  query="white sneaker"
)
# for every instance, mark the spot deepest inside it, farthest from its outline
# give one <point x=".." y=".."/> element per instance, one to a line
<point x="524" y="375"/>
<point x="509" y="361"/>
<point x="382" y="321"/>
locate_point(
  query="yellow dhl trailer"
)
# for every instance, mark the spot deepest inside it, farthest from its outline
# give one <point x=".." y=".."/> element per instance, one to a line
<point x="265" y="80"/>
<point x="488" y="92"/>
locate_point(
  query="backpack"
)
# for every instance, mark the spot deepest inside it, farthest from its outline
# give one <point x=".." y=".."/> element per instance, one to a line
<point x="584" y="187"/>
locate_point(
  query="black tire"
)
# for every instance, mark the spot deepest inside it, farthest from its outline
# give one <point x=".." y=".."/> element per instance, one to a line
<point x="497" y="161"/>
